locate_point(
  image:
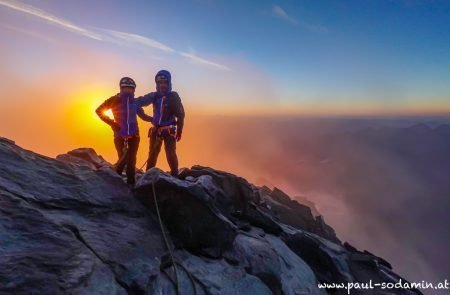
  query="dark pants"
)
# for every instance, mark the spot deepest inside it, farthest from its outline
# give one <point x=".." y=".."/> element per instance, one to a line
<point x="170" y="146"/>
<point x="130" y="157"/>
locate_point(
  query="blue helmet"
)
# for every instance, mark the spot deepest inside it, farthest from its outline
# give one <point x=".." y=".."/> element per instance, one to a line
<point x="163" y="75"/>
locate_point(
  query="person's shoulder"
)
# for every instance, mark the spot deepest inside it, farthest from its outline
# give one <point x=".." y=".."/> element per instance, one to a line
<point x="174" y="94"/>
<point x="114" y="98"/>
<point x="108" y="103"/>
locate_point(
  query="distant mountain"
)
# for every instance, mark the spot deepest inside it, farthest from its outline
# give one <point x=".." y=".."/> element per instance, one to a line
<point x="383" y="184"/>
<point x="395" y="180"/>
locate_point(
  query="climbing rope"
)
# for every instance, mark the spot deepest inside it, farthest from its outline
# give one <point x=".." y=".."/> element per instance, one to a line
<point x="143" y="164"/>
<point x="174" y="262"/>
<point x="165" y="238"/>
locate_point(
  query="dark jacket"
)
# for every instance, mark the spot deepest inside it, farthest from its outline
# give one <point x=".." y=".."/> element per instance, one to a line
<point x="167" y="107"/>
<point x="124" y="108"/>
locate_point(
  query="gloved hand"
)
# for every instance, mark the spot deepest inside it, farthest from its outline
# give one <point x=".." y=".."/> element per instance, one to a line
<point x="179" y="135"/>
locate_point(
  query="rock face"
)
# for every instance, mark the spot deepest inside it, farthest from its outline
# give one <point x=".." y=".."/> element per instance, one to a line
<point x="85" y="157"/>
<point x="71" y="226"/>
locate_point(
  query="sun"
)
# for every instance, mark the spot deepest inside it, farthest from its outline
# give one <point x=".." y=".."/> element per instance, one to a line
<point x="81" y="120"/>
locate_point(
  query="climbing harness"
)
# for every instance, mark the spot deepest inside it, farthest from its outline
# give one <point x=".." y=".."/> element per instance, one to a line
<point x="163" y="131"/>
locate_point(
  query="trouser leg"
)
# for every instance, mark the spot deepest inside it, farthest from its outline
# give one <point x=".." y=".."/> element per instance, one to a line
<point x="170" y="146"/>
<point x="155" y="148"/>
<point x="119" y="143"/>
<point x="133" y="146"/>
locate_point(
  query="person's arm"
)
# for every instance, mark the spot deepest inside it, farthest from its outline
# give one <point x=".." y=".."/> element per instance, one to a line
<point x="143" y="115"/>
<point x="146" y="100"/>
<point x="179" y="113"/>
<point x="107" y="105"/>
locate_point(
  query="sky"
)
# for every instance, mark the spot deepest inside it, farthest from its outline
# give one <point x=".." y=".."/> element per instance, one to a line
<point x="301" y="57"/>
<point x="60" y="59"/>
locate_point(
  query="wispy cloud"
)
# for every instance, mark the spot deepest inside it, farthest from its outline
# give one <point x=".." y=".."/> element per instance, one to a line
<point x="280" y="13"/>
<point x="124" y="38"/>
<point x="117" y="37"/>
<point x="52" y="19"/>
<point x="198" y="60"/>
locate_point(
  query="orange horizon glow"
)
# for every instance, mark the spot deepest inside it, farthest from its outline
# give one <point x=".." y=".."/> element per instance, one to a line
<point x="76" y="120"/>
<point x="54" y="125"/>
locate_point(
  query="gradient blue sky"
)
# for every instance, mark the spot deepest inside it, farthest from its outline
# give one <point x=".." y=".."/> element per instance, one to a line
<point x="289" y="55"/>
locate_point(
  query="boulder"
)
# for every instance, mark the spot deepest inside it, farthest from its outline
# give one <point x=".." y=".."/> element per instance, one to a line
<point x="84" y="156"/>
<point x="186" y="210"/>
<point x="292" y="212"/>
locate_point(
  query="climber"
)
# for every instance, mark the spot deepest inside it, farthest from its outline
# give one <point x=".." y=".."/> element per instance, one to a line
<point x="167" y="121"/>
<point x="126" y="132"/>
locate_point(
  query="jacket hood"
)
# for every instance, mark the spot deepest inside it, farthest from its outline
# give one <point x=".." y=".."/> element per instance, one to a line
<point x="167" y="75"/>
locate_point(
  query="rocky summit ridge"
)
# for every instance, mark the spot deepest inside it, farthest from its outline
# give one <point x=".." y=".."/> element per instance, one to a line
<point x="70" y="225"/>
